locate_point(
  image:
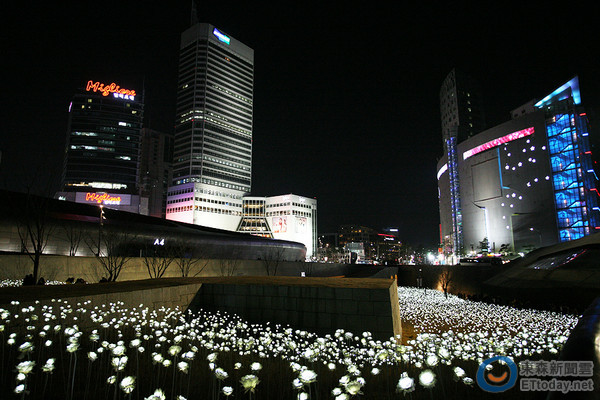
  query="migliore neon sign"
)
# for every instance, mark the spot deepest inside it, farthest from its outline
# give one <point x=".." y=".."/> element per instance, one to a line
<point x="102" y="198"/>
<point x="113" y="88"/>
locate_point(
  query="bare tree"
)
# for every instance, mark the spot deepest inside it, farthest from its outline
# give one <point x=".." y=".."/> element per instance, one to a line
<point x="186" y="263"/>
<point x="445" y="280"/>
<point x="157" y="259"/>
<point x="272" y="258"/>
<point x="34" y="227"/>
<point x="228" y="267"/>
<point x="74" y="235"/>
<point x="113" y="254"/>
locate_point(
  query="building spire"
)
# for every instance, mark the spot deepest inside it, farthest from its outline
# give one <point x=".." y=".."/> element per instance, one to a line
<point x="194" y="14"/>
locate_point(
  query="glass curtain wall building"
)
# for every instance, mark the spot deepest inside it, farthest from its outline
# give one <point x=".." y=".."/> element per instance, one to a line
<point x="102" y="153"/>
<point x="212" y="155"/>
<point x="526" y="183"/>
<point x="573" y="176"/>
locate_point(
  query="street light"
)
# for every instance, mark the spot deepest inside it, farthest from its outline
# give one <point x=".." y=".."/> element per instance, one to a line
<point x="100" y="227"/>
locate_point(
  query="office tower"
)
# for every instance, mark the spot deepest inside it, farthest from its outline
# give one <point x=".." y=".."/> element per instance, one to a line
<point x="102" y="147"/>
<point x="462" y="116"/>
<point x="156" y="157"/>
<point x="526" y="183"/>
<point x="212" y="159"/>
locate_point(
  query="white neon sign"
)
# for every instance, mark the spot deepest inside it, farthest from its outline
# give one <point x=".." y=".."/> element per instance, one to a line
<point x="442" y="170"/>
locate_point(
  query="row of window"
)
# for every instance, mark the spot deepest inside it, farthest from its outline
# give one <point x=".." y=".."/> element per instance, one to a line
<point x="203" y="209"/>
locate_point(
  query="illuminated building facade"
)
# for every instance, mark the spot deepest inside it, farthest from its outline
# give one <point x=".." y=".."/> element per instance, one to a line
<point x="212" y="158"/>
<point x="102" y="154"/>
<point x="526" y="183"/>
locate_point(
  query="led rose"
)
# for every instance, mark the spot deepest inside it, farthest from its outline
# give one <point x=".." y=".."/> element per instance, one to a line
<point x="183" y="366"/>
<point x="26" y="347"/>
<point x="427" y="378"/>
<point x="307" y="376"/>
<point x="72" y="347"/>
<point x="227" y="390"/>
<point x="249" y="382"/>
<point x="353" y="388"/>
<point x="432" y="360"/>
<point x="49" y="366"/>
<point x="255" y="366"/>
<point x="221" y="374"/>
<point x="119" y="363"/>
<point x="128" y="384"/>
<point x="157" y="358"/>
<point x="157" y="395"/>
<point x="405" y="384"/>
<point x="118" y="350"/>
<point x="296" y="384"/>
<point x="25" y="367"/>
<point x="174" y="350"/>
<point x="459" y="373"/>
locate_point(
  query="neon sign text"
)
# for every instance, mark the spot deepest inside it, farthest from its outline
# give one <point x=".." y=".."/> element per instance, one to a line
<point x="103" y="198"/>
<point x="113" y="88"/>
<point x="497" y="142"/>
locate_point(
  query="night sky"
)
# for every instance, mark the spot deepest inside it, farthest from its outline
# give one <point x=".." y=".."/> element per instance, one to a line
<point x="346" y="104"/>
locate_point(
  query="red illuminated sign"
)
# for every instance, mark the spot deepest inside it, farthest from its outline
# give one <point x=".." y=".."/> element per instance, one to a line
<point x="102" y="198"/>
<point x="497" y="142"/>
<point x="113" y="88"/>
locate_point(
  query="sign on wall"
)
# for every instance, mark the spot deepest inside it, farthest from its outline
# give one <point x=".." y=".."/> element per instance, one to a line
<point x="103" y="198"/>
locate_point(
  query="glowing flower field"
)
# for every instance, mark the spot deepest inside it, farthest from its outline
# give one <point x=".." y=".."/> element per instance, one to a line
<point x="61" y="350"/>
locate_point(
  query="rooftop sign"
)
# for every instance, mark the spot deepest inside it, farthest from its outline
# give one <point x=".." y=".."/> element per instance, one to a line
<point x="113" y="88"/>
<point x="222" y="37"/>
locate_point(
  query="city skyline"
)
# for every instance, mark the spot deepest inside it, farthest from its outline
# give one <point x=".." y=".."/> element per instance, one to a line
<point x="346" y="105"/>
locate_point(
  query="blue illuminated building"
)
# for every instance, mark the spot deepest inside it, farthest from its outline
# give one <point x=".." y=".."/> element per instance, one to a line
<point x="526" y="183"/>
<point x="573" y="176"/>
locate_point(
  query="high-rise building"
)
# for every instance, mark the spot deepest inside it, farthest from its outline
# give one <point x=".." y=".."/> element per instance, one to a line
<point x="526" y="183"/>
<point x="212" y="158"/>
<point x="462" y="116"/>
<point x="156" y="156"/>
<point x="213" y="130"/>
<point x="101" y="164"/>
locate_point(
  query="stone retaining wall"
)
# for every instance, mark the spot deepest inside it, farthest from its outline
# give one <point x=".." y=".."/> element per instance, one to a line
<point x="313" y="304"/>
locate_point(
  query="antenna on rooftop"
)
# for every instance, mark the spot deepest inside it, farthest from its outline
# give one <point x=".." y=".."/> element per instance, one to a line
<point x="194" y="16"/>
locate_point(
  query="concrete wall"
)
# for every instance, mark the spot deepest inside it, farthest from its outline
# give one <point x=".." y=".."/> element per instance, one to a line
<point x="465" y="279"/>
<point x="313" y="304"/>
<point x="63" y="267"/>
